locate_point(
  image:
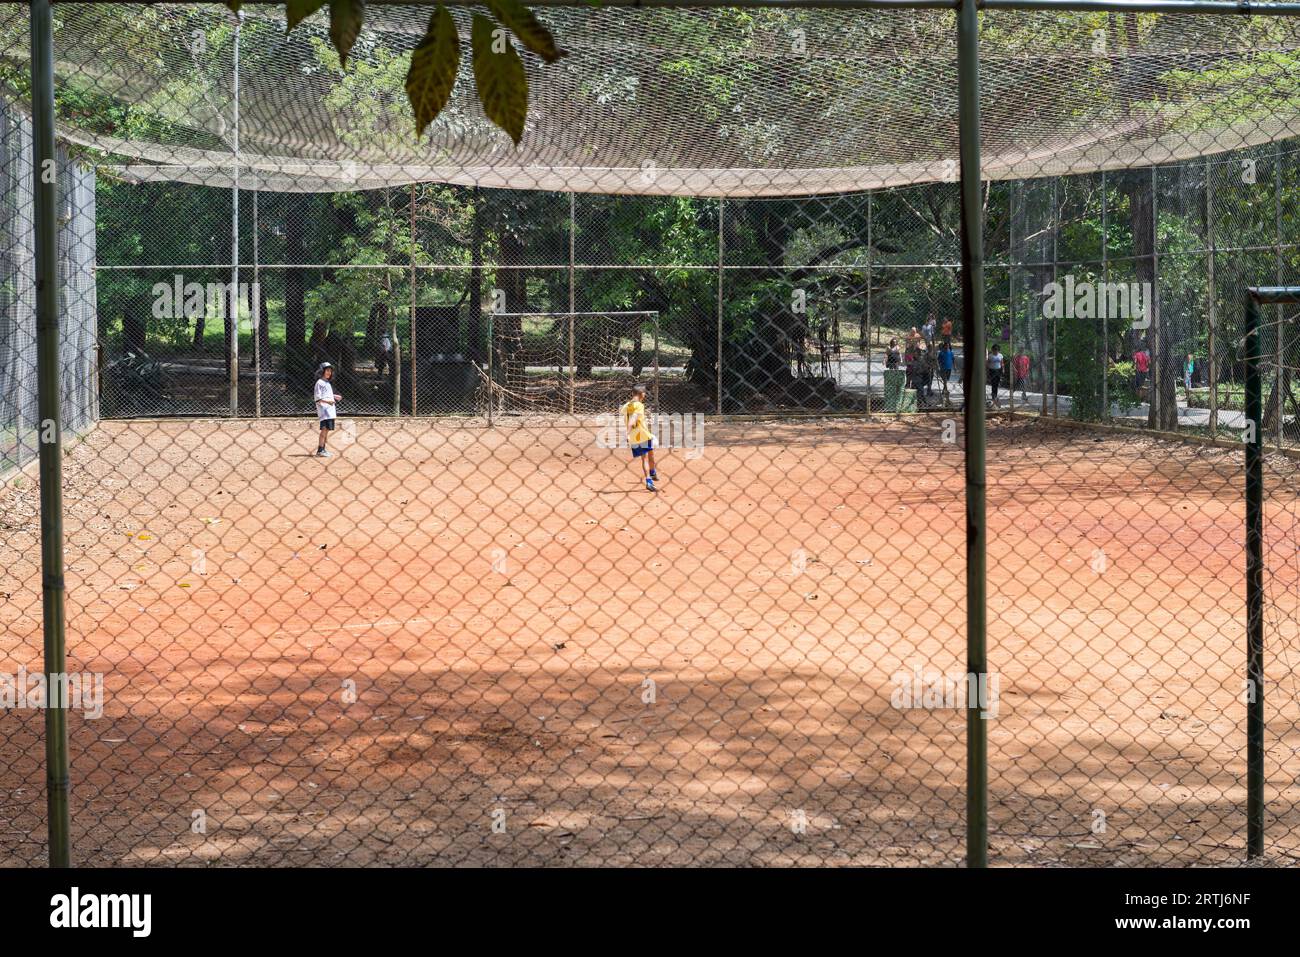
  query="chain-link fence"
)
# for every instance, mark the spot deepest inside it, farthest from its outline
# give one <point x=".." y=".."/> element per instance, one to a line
<point x="461" y="599"/>
<point x="816" y="298"/>
<point x="1165" y="351"/>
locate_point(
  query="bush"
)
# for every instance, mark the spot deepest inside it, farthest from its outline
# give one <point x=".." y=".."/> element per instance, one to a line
<point x="1120" y="385"/>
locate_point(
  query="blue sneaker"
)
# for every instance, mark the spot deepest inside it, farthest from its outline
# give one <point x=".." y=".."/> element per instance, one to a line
<point x="650" y="485"/>
<point x="654" y="476"/>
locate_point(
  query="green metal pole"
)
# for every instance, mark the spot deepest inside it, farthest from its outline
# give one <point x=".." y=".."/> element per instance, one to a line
<point x="51" y="424"/>
<point x="972" y="293"/>
<point x="1254" y="586"/>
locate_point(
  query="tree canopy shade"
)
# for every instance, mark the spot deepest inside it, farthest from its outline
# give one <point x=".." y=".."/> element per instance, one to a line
<point x="700" y="102"/>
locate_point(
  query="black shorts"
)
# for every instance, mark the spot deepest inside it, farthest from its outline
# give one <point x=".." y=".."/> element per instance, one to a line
<point x="327" y="425"/>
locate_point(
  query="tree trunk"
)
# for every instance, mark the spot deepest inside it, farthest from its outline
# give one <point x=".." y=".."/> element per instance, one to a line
<point x="263" y="327"/>
<point x="133" y="323"/>
<point x="296" y="357"/>
<point x="1134" y="80"/>
<point x="509" y="331"/>
<point x="200" y="324"/>
<point x="231" y="313"/>
<point x="1163" y="376"/>
<point x="376" y="324"/>
<point x="474" y="322"/>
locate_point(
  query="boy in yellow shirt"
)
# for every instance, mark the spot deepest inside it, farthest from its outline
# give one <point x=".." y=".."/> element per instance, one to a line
<point x="639" y="435"/>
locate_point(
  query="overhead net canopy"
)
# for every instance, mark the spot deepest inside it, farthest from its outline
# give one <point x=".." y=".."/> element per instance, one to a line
<point x="669" y="102"/>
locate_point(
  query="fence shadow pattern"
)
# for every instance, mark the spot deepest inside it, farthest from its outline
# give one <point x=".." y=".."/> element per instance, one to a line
<point x="459" y="644"/>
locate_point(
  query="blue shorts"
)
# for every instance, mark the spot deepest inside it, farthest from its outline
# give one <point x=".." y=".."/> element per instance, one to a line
<point x="642" y="449"/>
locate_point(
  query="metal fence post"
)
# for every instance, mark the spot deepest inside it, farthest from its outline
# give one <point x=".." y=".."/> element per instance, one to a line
<point x="45" y="188"/>
<point x="1211" y="344"/>
<point x="866" y="345"/>
<point x="258" y="318"/>
<point x="1156" y="333"/>
<point x="573" y="298"/>
<point x="1105" y="324"/>
<point x="415" y="408"/>
<point x="232" y="301"/>
<point x="1012" y="351"/>
<point x="1278" y="395"/>
<point x="1056" y="253"/>
<point x="972" y="288"/>
<point x="658" y="408"/>
<point x="1254" y="585"/>
<point x="721" y="249"/>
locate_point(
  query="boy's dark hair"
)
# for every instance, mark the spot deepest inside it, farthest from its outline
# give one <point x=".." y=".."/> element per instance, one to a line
<point x="638" y="389"/>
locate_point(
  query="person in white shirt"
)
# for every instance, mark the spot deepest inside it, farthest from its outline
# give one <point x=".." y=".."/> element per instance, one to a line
<point x="326" y="399"/>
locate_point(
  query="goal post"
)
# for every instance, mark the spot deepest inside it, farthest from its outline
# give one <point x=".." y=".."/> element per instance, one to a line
<point x="570" y="363"/>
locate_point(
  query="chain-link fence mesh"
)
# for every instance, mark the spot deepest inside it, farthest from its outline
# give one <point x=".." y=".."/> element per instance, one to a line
<point x="467" y="622"/>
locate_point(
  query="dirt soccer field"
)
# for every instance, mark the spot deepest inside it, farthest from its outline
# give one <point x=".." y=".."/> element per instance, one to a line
<point x="455" y="645"/>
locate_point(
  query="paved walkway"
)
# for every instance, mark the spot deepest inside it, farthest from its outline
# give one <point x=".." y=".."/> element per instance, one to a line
<point x="854" y="377"/>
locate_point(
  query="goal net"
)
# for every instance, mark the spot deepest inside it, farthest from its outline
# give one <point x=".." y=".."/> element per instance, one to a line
<point x="570" y="363"/>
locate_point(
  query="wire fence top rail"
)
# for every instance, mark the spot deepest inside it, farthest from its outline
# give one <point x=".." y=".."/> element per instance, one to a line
<point x="1237" y="7"/>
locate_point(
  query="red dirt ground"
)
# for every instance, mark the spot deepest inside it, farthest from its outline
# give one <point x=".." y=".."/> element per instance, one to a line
<point x="501" y="601"/>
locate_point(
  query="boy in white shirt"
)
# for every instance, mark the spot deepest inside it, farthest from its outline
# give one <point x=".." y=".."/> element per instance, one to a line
<point x="326" y="398"/>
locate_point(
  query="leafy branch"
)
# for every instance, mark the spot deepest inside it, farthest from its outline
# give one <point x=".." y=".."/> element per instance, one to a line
<point x="499" y="76"/>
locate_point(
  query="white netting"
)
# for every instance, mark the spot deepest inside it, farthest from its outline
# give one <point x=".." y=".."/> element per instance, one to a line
<point x="19" y="420"/>
<point x="584" y="363"/>
<point x="680" y="102"/>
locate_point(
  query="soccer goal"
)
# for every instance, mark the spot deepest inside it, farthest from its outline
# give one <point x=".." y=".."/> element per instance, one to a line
<point x="569" y="363"/>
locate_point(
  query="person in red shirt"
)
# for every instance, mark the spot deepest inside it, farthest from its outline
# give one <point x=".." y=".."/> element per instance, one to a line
<point x="1141" y="365"/>
<point x="1020" y="366"/>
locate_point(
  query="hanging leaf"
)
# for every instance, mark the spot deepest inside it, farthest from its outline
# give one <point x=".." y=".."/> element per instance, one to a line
<point x="530" y="31"/>
<point x="296" y="11"/>
<point x="499" y="75"/>
<point x="346" y="18"/>
<point x="433" y="69"/>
